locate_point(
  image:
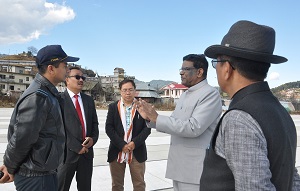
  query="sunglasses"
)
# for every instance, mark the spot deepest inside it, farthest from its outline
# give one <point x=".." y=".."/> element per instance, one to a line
<point x="78" y="77"/>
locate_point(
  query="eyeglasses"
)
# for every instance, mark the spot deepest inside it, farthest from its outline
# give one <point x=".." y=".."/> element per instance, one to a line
<point x="186" y="69"/>
<point x="214" y="63"/>
<point x="78" y="77"/>
<point x="127" y="90"/>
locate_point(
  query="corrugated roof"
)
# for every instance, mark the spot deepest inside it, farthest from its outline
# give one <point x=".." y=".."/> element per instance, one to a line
<point x="175" y="86"/>
<point x="146" y="94"/>
<point x="144" y="86"/>
<point x="88" y="85"/>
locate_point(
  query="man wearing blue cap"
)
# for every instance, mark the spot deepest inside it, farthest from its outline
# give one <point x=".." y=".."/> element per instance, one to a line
<point x="36" y="136"/>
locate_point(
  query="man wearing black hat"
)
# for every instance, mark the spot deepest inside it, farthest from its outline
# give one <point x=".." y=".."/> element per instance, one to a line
<point x="254" y="144"/>
<point x="36" y="136"/>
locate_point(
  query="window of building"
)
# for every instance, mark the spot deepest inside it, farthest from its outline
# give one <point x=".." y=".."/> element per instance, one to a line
<point x="11" y="77"/>
<point x="12" y="87"/>
<point x="20" y="80"/>
<point x="4" y="68"/>
<point x="2" y="76"/>
<point x="21" y="71"/>
<point x="167" y="92"/>
<point x="27" y="79"/>
<point x="2" y="86"/>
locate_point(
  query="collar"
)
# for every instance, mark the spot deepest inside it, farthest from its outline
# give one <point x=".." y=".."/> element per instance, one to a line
<point x="128" y="107"/>
<point x="72" y="93"/>
<point x="250" y="89"/>
<point x="122" y="101"/>
<point x="197" y="86"/>
<point x="45" y="82"/>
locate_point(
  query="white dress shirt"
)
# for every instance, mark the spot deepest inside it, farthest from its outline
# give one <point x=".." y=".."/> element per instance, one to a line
<point x="80" y="103"/>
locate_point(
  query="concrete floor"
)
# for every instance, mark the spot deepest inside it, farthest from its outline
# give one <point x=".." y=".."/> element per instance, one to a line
<point x="157" y="145"/>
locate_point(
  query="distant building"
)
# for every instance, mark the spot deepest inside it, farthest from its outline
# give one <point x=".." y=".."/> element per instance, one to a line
<point x="110" y="83"/>
<point x="16" y="76"/>
<point x="173" y="90"/>
<point x="225" y="104"/>
<point x="113" y="80"/>
<point x="14" y="79"/>
<point x="288" y="106"/>
<point x="17" y="62"/>
<point x="94" y="89"/>
<point x="147" y="93"/>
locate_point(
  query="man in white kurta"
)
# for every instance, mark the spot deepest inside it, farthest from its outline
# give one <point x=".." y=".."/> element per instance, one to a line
<point x="191" y="125"/>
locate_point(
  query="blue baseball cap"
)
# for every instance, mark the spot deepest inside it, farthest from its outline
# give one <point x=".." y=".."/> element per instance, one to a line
<point x="51" y="54"/>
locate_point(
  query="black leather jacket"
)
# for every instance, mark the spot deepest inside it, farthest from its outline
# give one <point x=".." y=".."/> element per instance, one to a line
<point x="36" y="135"/>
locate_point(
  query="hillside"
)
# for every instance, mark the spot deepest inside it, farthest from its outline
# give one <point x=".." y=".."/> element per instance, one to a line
<point x="288" y="92"/>
<point x="286" y="86"/>
<point x="17" y="57"/>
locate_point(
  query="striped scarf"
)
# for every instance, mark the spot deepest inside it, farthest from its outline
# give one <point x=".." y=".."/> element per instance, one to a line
<point x="127" y="135"/>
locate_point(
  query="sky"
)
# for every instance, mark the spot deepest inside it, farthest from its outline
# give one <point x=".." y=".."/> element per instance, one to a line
<point x="147" y="38"/>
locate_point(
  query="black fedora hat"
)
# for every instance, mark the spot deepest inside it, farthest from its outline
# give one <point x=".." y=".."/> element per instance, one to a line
<point x="247" y="40"/>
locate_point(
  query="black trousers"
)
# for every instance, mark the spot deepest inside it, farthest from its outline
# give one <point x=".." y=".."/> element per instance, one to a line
<point x="84" y="170"/>
<point x="36" y="183"/>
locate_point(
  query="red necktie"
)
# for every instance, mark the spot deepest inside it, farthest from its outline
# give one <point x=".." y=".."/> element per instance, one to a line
<point x="78" y="109"/>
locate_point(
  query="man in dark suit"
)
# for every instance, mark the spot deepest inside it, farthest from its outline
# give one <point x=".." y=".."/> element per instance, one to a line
<point x="127" y="131"/>
<point x="81" y="124"/>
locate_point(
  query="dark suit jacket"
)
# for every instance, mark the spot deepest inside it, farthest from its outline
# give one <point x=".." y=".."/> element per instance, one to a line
<point x="73" y="126"/>
<point x="115" y="131"/>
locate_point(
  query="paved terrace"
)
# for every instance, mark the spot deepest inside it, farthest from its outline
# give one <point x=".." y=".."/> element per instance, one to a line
<point x="157" y="144"/>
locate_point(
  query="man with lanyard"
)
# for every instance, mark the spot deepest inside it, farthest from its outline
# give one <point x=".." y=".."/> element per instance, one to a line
<point x="127" y="131"/>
